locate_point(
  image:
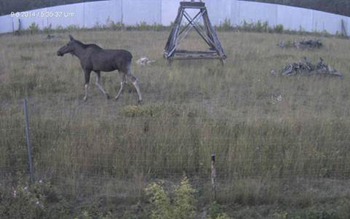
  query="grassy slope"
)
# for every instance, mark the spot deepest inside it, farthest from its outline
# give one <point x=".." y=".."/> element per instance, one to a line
<point x="268" y="151"/>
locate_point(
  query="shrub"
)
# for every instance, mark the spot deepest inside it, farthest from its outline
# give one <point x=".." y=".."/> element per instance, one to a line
<point x="48" y="30"/>
<point x="181" y="207"/>
<point x="225" y="26"/>
<point x="255" y="27"/>
<point x="33" y="28"/>
<point x="184" y="200"/>
<point x="183" y="203"/>
<point x="143" y="26"/>
<point x="279" y="28"/>
<point x="97" y="26"/>
<point x="246" y="26"/>
<point x="39" y="200"/>
<point x="72" y="27"/>
<point x="261" y="27"/>
<point x="115" y="25"/>
<point x="158" y="27"/>
<point x="160" y="201"/>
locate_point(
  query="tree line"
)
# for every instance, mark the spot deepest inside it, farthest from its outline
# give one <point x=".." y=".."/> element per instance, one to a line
<point x="333" y="6"/>
<point x="341" y="7"/>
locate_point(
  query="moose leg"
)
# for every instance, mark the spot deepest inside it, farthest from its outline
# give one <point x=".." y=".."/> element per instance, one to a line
<point x="121" y="86"/>
<point x="98" y="83"/>
<point x="87" y="80"/>
<point x="136" y="84"/>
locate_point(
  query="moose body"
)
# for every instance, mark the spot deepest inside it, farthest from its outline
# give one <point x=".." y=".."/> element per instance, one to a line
<point x="94" y="58"/>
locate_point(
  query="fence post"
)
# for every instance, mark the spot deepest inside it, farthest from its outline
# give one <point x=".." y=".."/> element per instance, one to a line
<point x="213" y="176"/>
<point x="29" y="146"/>
<point x="343" y="29"/>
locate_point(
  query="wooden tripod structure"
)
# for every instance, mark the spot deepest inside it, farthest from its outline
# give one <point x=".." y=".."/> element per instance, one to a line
<point x="207" y="32"/>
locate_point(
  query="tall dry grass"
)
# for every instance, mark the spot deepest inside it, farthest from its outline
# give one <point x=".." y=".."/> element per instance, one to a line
<point x="264" y="129"/>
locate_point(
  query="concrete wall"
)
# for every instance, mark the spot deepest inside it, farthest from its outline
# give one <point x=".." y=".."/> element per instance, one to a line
<point x="252" y="12"/>
<point x="132" y="12"/>
<point x="99" y="13"/>
<point x="42" y="23"/>
<point x="73" y="15"/>
<point x="294" y="18"/>
<point x="218" y="10"/>
<point x="136" y="11"/>
<point x="330" y="22"/>
<point x="169" y="11"/>
<point x="6" y="24"/>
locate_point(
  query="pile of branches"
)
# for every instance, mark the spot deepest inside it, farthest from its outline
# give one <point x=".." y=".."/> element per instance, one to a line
<point x="303" y="44"/>
<point x="305" y="67"/>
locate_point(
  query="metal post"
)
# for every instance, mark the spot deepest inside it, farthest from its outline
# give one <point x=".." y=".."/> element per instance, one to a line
<point x="213" y="176"/>
<point x="29" y="146"/>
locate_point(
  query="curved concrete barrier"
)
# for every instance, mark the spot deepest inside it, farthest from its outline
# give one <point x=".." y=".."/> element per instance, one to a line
<point x="132" y="12"/>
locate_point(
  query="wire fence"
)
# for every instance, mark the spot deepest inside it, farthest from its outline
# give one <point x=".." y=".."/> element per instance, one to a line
<point x="125" y="165"/>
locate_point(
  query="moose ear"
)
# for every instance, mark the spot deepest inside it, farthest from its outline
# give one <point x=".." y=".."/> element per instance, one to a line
<point x="71" y="37"/>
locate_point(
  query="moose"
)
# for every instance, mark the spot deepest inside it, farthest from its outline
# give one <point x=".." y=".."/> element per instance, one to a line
<point x="94" y="58"/>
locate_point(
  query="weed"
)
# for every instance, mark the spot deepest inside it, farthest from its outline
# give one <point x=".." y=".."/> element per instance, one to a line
<point x="225" y="26"/>
<point x="33" y="28"/>
<point x="279" y="28"/>
<point x="182" y="206"/>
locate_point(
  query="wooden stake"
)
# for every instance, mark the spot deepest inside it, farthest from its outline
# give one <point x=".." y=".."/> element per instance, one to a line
<point x="213" y="176"/>
<point x="343" y="28"/>
<point x="29" y="146"/>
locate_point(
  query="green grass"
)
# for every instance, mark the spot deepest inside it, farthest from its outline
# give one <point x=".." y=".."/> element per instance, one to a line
<point x="280" y="141"/>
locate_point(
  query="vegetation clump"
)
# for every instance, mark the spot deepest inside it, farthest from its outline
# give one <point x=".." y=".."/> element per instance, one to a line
<point x="181" y="206"/>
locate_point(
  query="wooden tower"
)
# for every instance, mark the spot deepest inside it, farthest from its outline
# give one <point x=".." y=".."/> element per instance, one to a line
<point x="207" y="33"/>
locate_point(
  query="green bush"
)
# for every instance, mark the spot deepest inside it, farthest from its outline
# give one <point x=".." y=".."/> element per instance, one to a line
<point x="161" y="202"/>
<point x="262" y="27"/>
<point x="246" y="26"/>
<point x="39" y="200"/>
<point x="279" y="28"/>
<point x="255" y="27"/>
<point x="48" y="30"/>
<point x="115" y="25"/>
<point x="98" y="26"/>
<point x="33" y="28"/>
<point x="143" y="26"/>
<point x="182" y="206"/>
<point x="73" y="27"/>
<point x="225" y="26"/>
<point x="184" y="200"/>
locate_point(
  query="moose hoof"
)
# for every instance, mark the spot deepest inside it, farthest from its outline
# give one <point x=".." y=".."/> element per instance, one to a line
<point x="85" y="99"/>
<point x="140" y="102"/>
<point x="108" y="97"/>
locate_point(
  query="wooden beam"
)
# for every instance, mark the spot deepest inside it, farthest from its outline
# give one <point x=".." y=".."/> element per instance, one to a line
<point x="207" y="33"/>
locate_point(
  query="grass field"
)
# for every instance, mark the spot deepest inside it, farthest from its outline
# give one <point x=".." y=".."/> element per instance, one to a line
<point x="281" y="143"/>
